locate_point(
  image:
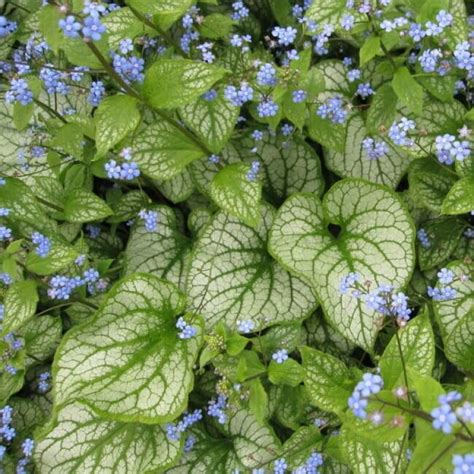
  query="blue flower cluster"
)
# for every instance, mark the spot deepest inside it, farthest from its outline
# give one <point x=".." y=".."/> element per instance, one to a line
<point x="6" y="27"/>
<point x="374" y="149"/>
<point x="246" y="326"/>
<point x="129" y="68"/>
<point x="61" y="286"/>
<point x="312" y="464"/>
<point x="398" y="132"/>
<point x="44" y="382"/>
<point x="267" y="108"/>
<point x="5" y="233"/>
<point x="371" y="384"/>
<point x="333" y="109"/>
<point x="174" y="431"/>
<point x="423" y="238"/>
<point x="445" y="416"/>
<point x="266" y="75"/>
<point x="151" y="219"/>
<point x="43" y="244"/>
<point x="8" y="434"/>
<point x="448" y="149"/>
<point x="444" y="292"/>
<point x="285" y="36"/>
<point x="463" y="464"/>
<point x="187" y="330"/>
<point x="238" y="97"/>
<point x="53" y="80"/>
<point x="96" y="93"/>
<point x="240" y="11"/>
<point x="127" y="171"/>
<point x="14" y="345"/>
<point x="91" y="27"/>
<point x="252" y="174"/>
<point x="280" y="356"/>
<point x="19" y="92"/>
<point x="216" y="408"/>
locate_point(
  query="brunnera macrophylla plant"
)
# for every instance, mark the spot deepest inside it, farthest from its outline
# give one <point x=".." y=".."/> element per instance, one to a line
<point x="236" y="236"/>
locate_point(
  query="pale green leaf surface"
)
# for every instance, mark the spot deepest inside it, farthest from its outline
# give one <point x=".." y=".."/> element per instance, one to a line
<point x="232" y="277"/>
<point x="128" y="362"/>
<point x="376" y="240"/>
<point x="80" y="442"/>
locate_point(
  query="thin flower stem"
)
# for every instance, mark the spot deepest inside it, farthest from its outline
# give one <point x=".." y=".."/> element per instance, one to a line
<point x="50" y="110"/>
<point x="405" y="377"/>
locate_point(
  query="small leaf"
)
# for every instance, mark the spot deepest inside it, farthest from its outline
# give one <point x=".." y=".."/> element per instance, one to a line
<point x="408" y="90"/>
<point x="162" y="151"/>
<point x="417" y="348"/>
<point x="383" y="109"/>
<point x="236" y="194"/>
<point x="287" y="373"/>
<point x="328" y="381"/>
<point x="20" y="305"/>
<point x="171" y="83"/>
<point x="83" y="206"/>
<point x="115" y="118"/>
<point x="216" y="26"/>
<point x="460" y="198"/>
<point x="369" y="49"/>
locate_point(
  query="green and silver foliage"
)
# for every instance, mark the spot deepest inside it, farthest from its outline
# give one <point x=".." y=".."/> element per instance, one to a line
<point x="236" y="236"/>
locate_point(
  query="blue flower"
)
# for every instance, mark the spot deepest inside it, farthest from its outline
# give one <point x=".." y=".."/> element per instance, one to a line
<point x="364" y="90"/>
<point x="5" y="233"/>
<point x="96" y="93"/>
<point x="299" y="96"/>
<point x="266" y="75"/>
<point x="6" y="27"/>
<point x="93" y="28"/>
<point x="70" y="26"/>
<point x="245" y="326"/>
<point x="398" y="132"/>
<point x="285" y="36"/>
<point x="333" y="109"/>
<point x="267" y="108"/>
<point x="463" y="464"/>
<point x="347" y="22"/>
<point x="445" y="276"/>
<point x="19" y="92"/>
<point x="240" y="11"/>
<point x="280" y="356"/>
<point x="374" y="150"/>
<point x="254" y="170"/>
<point x="216" y="409"/>
<point x="348" y="282"/>
<point x="43" y="244"/>
<point x="280" y="466"/>
<point x="187" y="331"/>
<point x="422" y="236"/>
<point x="354" y="75"/>
<point x="239" y="96"/>
<point x="151" y="219"/>
<point x="443" y="418"/>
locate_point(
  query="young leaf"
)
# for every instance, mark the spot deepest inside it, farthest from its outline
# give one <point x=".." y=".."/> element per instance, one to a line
<point x="383" y="109"/>
<point x="83" y="206"/>
<point x="79" y="441"/>
<point x="171" y="83"/>
<point x="60" y="256"/>
<point x="20" y="305"/>
<point x="460" y="198"/>
<point x="115" y="118"/>
<point x="232" y="191"/>
<point x="354" y="162"/>
<point x="369" y="49"/>
<point x="328" y="381"/>
<point x="212" y="120"/>
<point x="162" y="151"/>
<point x="408" y="90"/>
<point x="456" y="319"/>
<point x="417" y="349"/>
<point x="287" y="373"/>
<point x="232" y="277"/>
<point x="376" y="239"/>
<point x="132" y="341"/>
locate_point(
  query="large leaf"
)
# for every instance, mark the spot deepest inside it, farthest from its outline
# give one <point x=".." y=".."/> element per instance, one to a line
<point x="121" y="24"/>
<point x="354" y="162"/>
<point x="115" y="118"/>
<point x="60" y="256"/>
<point x="376" y="239"/>
<point x="456" y="320"/>
<point x="329" y="12"/>
<point x="212" y="120"/>
<point x="233" y="192"/>
<point x="232" y="277"/>
<point x="171" y="83"/>
<point x="328" y="381"/>
<point x="417" y="349"/>
<point x="128" y="362"/>
<point x="80" y="442"/>
<point x="165" y="12"/>
<point x="162" y="150"/>
<point x="163" y="253"/>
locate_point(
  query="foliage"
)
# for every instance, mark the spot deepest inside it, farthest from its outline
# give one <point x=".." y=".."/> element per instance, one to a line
<point x="236" y="236"/>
